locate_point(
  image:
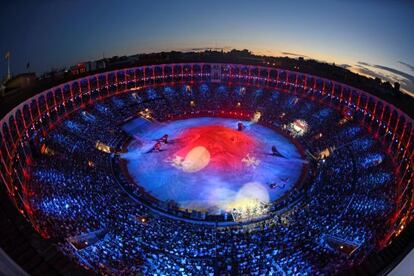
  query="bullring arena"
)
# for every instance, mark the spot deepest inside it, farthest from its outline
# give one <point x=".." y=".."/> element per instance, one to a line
<point x="210" y="168"/>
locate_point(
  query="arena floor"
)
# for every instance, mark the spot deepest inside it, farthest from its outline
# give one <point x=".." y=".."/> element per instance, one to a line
<point x="208" y="165"/>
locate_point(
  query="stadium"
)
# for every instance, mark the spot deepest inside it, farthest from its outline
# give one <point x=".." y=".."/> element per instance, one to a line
<point x="210" y="168"/>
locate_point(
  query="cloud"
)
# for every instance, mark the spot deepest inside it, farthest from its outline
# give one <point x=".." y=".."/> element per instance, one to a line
<point x="387" y="74"/>
<point x="294" y="54"/>
<point x="364" y="63"/>
<point x="396" y="72"/>
<point x="198" y="49"/>
<point x="407" y="65"/>
<point x="366" y="71"/>
<point x="345" y="66"/>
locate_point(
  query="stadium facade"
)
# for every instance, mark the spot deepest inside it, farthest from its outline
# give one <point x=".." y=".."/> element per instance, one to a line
<point x="25" y="128"/>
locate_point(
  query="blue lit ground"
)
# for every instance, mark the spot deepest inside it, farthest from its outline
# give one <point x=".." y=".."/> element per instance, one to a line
<point x="209" y="165"/>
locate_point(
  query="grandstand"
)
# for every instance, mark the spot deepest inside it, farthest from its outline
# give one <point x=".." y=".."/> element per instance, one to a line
<point x="64" y="170"/>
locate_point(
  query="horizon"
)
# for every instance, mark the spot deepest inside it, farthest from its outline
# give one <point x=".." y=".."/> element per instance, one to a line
<point x="372" y="38"/>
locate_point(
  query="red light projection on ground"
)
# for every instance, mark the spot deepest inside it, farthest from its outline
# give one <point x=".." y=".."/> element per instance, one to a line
<point x="217" y="147"/>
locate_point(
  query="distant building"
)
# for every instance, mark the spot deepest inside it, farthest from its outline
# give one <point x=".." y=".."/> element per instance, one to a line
<point x="100" y="64"/>
<point x="2" y="89"/>
<point x="79" y="68"/>
<point x="54" y="74"/>
<point x="120" y="62"/>
<point x="19" y="82"/>
<point x="88" y="66"/>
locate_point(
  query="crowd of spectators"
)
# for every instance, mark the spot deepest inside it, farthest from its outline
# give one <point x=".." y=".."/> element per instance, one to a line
<point x="73" y="192"/>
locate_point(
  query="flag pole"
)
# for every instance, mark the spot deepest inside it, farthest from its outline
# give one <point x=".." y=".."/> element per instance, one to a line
<point x="7" y="56"/>
<point x="8" y="69"/>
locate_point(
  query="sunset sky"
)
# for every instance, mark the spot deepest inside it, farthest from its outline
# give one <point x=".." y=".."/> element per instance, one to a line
<point x="374" y="38"/>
